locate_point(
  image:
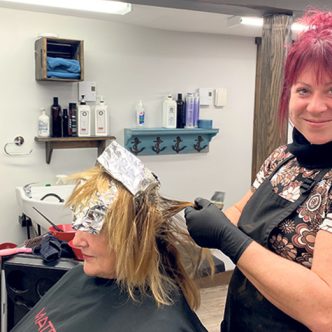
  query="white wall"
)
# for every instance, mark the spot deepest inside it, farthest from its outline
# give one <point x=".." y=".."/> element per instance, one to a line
<point x="128" y="63"/>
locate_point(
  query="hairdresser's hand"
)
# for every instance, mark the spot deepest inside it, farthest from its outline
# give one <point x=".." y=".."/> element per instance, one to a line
<point x="210" y="228"/>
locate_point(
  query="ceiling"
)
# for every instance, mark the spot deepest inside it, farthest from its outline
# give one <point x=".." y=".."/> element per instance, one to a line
<point x="202" y="16"/>
<point x="185" y="20"/>
<point x="240" y="7"/>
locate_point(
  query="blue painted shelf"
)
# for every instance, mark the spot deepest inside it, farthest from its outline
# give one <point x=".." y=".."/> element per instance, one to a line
<point x="160" y="141"/>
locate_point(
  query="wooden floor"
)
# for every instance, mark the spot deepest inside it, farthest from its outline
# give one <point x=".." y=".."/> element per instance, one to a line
<point x="213" y="297"/>
<point x="212" y="307"/>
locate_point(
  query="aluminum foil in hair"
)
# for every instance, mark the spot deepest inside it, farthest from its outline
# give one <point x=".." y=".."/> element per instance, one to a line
<point x="125" y="167"/>
<point x="90" y="218"/>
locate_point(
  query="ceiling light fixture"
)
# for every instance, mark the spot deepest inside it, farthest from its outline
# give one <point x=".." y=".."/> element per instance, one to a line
<point x="252" y="21"/>
<point x="98" y="6"/>
<point x="258" y="22"/>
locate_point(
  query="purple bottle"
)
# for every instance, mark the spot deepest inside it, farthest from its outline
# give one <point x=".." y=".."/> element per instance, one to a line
<point x="189" y="110"/>
<point x="196" y="110"/>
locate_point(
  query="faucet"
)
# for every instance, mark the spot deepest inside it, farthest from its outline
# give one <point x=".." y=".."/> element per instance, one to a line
<point x="27" y="189"/>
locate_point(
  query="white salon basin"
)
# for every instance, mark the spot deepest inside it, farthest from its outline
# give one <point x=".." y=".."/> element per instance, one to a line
<point x="34" y="196"/>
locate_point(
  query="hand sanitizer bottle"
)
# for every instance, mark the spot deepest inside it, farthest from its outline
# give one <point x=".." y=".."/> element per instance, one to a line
<point x="43" y="124"/>
<point x="140" y="114"/>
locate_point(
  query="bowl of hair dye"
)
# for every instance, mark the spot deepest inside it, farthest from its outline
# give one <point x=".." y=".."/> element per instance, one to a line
<point x="77" y="252"/>
<point x="65" y="232"/>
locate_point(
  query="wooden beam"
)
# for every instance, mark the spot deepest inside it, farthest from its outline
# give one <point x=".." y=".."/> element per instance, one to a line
<point x="269" y="75"/>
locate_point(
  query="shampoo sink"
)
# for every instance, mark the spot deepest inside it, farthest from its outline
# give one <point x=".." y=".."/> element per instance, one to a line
<point x="49" y="200"/>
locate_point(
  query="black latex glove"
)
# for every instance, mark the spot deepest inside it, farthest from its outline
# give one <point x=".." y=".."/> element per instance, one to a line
<point x="210" y="228"/>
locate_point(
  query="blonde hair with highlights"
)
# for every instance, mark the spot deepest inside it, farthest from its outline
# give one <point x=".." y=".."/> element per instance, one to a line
<point x="154" y="254"/>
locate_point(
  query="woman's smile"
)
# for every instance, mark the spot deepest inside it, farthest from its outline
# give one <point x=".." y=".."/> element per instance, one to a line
<point x="310" y="107"/>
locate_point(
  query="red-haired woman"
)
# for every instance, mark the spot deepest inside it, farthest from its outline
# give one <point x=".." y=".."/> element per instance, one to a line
<point x="280" y="234"/>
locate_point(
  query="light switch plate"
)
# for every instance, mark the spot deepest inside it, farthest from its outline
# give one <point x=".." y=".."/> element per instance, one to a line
<point x="220" y="97"/>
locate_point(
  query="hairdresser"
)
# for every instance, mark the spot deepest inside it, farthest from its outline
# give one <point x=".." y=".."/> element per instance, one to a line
<point x="280" y="234"/>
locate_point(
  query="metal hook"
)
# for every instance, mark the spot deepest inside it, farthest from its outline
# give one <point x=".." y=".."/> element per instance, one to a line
<point x="18" y="141"/>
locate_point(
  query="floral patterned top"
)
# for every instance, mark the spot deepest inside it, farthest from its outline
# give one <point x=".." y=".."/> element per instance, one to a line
<point x="294" y="237"/>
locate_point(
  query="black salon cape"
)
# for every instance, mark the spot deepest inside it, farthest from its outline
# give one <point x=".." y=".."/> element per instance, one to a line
<point x="78" y="303"/>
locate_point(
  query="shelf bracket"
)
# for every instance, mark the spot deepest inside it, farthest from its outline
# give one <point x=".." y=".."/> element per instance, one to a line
<point x="48" y="150"/>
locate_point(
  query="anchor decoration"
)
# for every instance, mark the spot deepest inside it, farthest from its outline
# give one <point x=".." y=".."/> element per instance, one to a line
<point x="134" y="149"/>
<point x="198" y="146"/>
<point x="176" y="147"/>
<point x="156" y="148"/>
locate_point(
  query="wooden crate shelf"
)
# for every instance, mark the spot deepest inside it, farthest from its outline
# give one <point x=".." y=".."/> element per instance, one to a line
<point x="60" y="48"/>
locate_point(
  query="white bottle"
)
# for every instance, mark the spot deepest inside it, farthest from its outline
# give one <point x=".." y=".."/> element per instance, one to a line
<point x="43" y="124"/>
<point x="140" y="114"/>
<point x="101" y="118"/>
<point x="84" y="118"/>
<point x="169" y="112"/>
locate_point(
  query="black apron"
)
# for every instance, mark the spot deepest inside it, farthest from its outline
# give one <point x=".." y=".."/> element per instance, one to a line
<point x="246" y="309"/>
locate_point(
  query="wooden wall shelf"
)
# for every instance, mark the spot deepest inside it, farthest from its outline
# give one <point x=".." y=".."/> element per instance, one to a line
<point x="73" y="143"/>
<point x="57" y="48"/>
<point x="160" y="141"/>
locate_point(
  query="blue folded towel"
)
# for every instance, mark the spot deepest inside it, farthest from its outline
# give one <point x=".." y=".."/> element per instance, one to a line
<point x="63" y="65"/>
<point x="59" y="74"/>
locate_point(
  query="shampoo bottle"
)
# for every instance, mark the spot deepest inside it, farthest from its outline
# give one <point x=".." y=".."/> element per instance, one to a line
<point x="169" y="112"/>
<point x="101" y="118"/>
<point x="84" y="118"/>
<point x="43" y="124"/>
<point x="65" y="123"/>
<point x="196" y="110"/>
<point x="181" y="112"/>
<point x="73" y="119"/>
<point x="56" y="117"/>
<point x="140" y="114"/>
<point x="189" y="110"/>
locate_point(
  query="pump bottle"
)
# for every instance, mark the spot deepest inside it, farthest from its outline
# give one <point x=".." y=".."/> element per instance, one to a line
<point x="101" y="118"/>
<point x="169" y="112"/>
<point x="43" y="124"/>
<point x="84" y="119"/>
